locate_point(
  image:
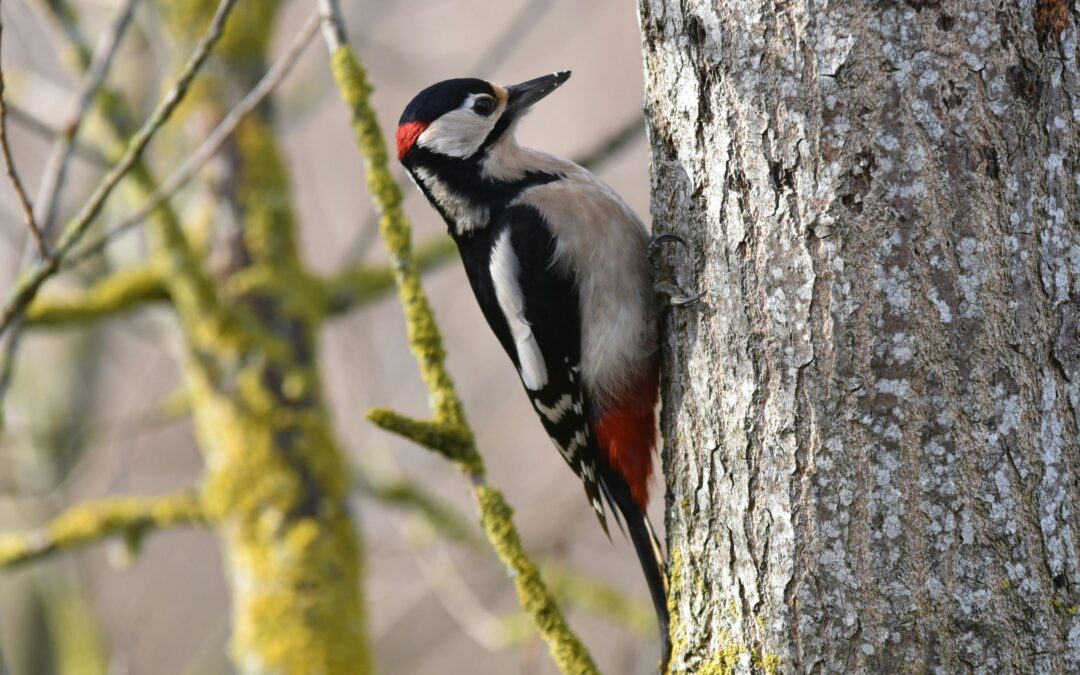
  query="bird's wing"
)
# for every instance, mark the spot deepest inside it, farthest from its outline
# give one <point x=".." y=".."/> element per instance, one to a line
<point x="541" y="331"/>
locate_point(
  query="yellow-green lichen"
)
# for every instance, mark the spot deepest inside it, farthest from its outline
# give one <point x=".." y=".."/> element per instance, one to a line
<point x="567" y="651"/>
<point x="117" y="293"/>
<point x="730" y="655"/>
<point x="425" y="340"/>
<point x="90" y="522"/>
<point x="276" y="476"/>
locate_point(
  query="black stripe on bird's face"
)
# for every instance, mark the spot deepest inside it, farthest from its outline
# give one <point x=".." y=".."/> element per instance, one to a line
<point x="462" y="117"/>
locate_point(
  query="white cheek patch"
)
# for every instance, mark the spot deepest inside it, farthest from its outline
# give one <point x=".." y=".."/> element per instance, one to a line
<point x="459" y="133"/>
<point x="504" y="275"/>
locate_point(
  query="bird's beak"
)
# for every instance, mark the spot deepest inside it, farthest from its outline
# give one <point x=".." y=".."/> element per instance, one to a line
<point x="520" y="97"/>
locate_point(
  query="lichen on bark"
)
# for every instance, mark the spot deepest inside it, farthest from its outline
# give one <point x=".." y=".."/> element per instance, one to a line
<point x="872" y="420"/>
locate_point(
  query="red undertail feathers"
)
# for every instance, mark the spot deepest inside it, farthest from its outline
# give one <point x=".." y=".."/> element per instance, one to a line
<point x="627" y="432"/>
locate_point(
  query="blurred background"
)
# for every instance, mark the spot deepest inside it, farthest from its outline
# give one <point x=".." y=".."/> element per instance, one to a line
<point x="93" y="411"/>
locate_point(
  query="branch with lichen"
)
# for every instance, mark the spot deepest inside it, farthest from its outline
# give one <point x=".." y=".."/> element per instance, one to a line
<point x="129" y="289"/>
<point x="115" y="294"/>
<point x="89" y="522"/>
<point x="439" y="515"/>
<point x="448" y="433"/>
<point x="31" y="280"/>
<point x="571" y="588"/>
<point x="358" y="284"/>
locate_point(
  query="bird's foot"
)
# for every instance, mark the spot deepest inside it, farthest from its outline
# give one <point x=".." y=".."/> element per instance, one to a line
<point x="660" y="239"/>
<point x="676" y="296"/>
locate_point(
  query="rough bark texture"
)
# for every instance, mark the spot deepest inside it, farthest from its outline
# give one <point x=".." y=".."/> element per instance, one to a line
<point x="872" y="456"/>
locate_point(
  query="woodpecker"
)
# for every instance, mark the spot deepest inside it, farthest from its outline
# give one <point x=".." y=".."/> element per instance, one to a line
<point x="558" y="263"/>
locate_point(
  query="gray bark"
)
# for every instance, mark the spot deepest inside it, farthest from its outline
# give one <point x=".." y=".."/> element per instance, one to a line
<point x="872" y="450"/>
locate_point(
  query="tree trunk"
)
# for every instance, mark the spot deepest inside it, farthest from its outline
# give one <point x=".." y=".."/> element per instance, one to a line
<point x="872" y="459"/>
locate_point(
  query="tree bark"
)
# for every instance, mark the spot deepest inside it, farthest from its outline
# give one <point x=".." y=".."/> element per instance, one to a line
<point x="871" y="421"/>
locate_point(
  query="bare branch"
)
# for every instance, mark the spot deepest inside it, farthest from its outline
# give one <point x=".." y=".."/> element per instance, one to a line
<point x="34" y="124"/>
<point x="213" y="142"/>
<point x="90" y="522"/>
<point x="438" y="514"/>
<point x="632" y="130"/>
<point x="52" y="178"/>
<point x="504" y="45"/>
<point x="13" y="174"/>
<point x="7" y="365"/>
<point x="73" y="233"/>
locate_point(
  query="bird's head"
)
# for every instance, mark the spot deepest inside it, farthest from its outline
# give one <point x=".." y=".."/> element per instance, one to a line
<point x="462" y="118"/>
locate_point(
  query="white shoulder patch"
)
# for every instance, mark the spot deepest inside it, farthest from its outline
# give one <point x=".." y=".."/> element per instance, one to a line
<point x="504" y="275"/>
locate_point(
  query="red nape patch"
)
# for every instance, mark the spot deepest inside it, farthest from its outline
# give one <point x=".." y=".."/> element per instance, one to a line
<point x="628" y="433"/>
<point x="406" y="137"/>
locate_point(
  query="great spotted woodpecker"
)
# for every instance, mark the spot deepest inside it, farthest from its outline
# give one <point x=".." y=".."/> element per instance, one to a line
<point x="558" y="263"/>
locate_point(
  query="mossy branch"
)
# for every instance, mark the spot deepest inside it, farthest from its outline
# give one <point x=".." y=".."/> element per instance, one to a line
<point x="360" y="284"/>
<point x="453" y="441"/>
<point x="496" y="517"/>
<point x="571" y="588"/>
<point x="425" y="341"/>
<point x="441" y="516"/>
<point x="90" y="522"/>
<point x="30" y="281"/>
<point x="112" y="295"/>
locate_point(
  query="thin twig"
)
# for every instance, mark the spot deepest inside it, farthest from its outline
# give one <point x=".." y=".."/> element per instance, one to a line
<point x="213" y="142"/>
<point x="52" y="178"/>
<point x="511" y="38"/>
<point x="7" y="366"/>
<point x="33" y="123"/>
<point x="92" y="521"/>
<point x="631" y="130"/>
<point x="73" y="233"/>
<point x="13" y="174"/>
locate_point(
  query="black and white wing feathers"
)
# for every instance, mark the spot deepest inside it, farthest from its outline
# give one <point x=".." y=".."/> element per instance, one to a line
<point x="532" y="306"/>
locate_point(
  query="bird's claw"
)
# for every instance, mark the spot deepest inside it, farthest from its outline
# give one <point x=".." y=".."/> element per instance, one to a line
<point x="676" y="296"/>
<point x="660" y="239"/>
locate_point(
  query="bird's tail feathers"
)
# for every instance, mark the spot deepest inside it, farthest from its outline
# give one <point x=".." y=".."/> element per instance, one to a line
<point x="649" y="553"/>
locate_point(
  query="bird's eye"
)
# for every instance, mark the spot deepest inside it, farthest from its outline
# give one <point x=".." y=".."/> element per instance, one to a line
<point x="484" y="106"/>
